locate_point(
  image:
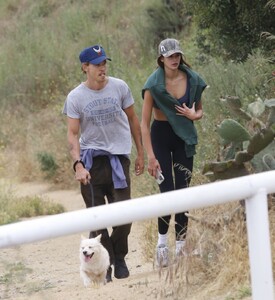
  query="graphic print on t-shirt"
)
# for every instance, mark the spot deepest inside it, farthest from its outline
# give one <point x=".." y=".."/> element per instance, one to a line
<point x="102" y="112"/>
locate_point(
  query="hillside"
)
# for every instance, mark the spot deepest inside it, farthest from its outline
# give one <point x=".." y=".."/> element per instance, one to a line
<point x="40" y="43"/>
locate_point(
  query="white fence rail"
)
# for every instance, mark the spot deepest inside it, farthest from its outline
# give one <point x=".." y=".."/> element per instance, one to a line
<point x="252" y="188"/>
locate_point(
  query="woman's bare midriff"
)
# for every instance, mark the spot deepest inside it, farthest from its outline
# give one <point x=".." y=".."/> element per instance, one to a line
<point x="159" y="115"/>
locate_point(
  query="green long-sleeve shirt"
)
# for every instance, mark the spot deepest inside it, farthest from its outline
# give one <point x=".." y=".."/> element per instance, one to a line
<point x="182" y="126"/>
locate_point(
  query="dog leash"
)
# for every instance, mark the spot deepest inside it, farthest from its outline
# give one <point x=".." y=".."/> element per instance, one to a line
<point x="92" y="193"/>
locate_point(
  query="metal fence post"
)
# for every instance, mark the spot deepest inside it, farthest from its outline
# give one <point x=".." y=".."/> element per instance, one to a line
<point x="259" y="246"/>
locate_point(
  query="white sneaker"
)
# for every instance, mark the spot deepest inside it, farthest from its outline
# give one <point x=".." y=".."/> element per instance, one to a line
<point x="196" y="252"/>
<point x="181" y="249"/>
<point x="162" y="256"/>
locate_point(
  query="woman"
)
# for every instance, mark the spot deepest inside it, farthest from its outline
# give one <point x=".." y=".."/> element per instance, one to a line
<point x="173" y="94"/>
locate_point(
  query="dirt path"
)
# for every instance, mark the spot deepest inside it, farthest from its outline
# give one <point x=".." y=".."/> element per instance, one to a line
<point x="50" y="269"/>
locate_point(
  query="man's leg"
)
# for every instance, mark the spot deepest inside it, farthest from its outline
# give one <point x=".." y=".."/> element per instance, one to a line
<point x="94" y="195"/>
<point x="119" y="236"/>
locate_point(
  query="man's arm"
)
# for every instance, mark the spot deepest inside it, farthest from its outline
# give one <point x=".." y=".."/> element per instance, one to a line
<point x="72" y="136"/>
<point x="81" y="174"/>
<point x="136" y="133"/>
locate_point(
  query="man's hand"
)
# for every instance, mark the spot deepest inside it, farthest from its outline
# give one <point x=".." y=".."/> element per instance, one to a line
<point x="81" y="174"/>
<point x="139" y="165"/>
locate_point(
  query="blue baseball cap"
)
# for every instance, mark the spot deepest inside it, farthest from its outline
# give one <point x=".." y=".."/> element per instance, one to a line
<point x="93" y="55"/>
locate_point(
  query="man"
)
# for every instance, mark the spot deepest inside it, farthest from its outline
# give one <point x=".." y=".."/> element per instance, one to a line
<point x="101" y="110"/>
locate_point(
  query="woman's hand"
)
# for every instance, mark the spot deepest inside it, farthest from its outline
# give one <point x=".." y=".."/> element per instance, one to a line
<point x="190" y="113"/>
<point x="185" y="111"/>
<point x="153" y="165"/>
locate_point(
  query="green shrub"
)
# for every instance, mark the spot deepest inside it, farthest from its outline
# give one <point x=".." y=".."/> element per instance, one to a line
<point x="13" y="208"/>
<point x="218" y="37"/>
<point x="28" y="207"/>
<point x="168" y="18"/>
<point x="47" y="163"/>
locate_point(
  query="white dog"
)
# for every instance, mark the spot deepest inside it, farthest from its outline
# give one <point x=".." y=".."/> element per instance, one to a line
<point x="94" y="261"/>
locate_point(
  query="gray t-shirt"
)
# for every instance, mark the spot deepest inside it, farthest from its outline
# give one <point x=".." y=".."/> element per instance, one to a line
<point x="103" y="123"/>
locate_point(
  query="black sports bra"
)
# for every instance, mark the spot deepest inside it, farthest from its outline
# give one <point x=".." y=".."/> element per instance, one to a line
<point x="183" y="99"/>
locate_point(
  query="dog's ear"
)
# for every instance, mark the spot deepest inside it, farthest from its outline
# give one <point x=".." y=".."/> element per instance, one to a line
<point x="98" y="238"/>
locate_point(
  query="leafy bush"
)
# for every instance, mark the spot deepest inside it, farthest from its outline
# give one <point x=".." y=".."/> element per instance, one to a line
<point x="13" y="208"/>
<point x="168" y="18"/>
<point x="47" y="163"/>
<point x="232" y="29"/>
<point x="28" y="207"/>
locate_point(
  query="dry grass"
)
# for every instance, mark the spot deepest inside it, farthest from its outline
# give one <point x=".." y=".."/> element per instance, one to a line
<point x="221" y="268"/>
<point x="221" y="271"/>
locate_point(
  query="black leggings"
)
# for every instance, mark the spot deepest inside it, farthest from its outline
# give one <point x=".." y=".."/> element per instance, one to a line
<point x="169" y="150"/>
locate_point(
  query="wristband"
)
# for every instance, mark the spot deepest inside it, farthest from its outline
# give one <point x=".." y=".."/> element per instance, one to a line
<point x="76" y="162"/>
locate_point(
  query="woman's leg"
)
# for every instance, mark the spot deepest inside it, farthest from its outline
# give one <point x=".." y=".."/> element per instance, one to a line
<point x="183" y="167"/>
<point x="161" y="140"/>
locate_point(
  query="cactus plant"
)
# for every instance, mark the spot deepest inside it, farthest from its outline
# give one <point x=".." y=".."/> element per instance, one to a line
<point x="240" y="145"/>
<point x="231" y="130"/>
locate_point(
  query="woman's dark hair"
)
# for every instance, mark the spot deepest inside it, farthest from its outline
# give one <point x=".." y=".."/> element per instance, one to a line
<point x="182" y="62"/>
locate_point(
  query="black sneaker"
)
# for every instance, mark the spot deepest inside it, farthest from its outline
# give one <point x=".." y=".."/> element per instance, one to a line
<point x="109" y="275"/>
<point x="121" y="270"/>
